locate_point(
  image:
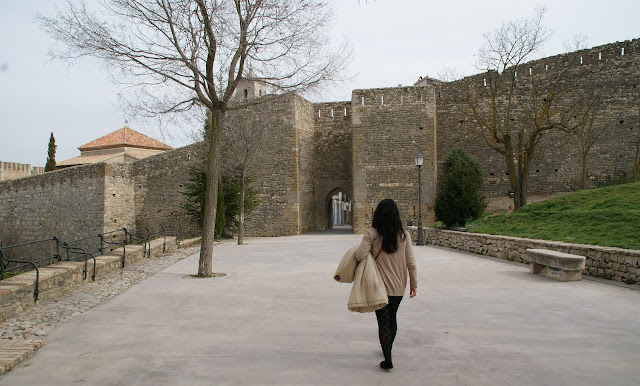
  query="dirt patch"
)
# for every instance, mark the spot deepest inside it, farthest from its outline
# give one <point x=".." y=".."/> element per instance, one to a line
<point x="215" y="274"/>
<point x="504" y="203"/>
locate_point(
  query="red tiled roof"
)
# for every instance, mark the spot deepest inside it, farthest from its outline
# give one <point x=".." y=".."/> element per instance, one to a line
<point x="124" y="137"/>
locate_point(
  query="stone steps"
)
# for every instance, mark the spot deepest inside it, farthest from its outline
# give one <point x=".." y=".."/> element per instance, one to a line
<point x="13" y="352"/>
<point x="66" y="275"/>
<point x="17" y="293"/>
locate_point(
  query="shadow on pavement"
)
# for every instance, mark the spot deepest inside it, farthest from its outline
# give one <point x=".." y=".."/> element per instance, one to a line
<point x="345" y="229"/>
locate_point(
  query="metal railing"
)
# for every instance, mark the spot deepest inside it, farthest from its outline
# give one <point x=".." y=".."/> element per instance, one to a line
<point x="110" y="245"/>
<point x="73" y="253"/>
<point x="82" y="250"/>
<point x="136" y="238"/>
<point x="19" y="265"/>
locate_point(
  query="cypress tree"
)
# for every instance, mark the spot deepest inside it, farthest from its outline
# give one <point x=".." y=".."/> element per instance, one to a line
<point x="51" y="155"/>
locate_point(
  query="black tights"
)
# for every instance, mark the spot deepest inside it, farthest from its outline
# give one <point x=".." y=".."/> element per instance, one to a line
<point x="388" y="325"/>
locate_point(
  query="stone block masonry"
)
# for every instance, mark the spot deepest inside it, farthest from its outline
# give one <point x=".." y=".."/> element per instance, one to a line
<point x="363" y="148"/>
<point x="13" y="170"/>
<point x="390" y="126"/>
<point x="281" y="176"/>
<point x="333" y="157"/>
<point x="68" y="203"/>
<point x="613" y="263"/>
<point x="158" y="185"/>
<point x="609" y="71"/>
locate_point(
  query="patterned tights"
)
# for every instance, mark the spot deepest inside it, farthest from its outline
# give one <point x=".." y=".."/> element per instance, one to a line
<point x="388" y="325"/>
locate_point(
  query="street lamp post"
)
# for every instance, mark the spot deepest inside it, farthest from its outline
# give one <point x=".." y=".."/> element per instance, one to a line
<point x="419" y="161"/>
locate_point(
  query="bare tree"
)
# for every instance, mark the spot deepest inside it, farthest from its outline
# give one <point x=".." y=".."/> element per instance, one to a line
<point x="513" y="109"/>
<point x="243" y="138"/>
<point x="448" y="74"/>
<point x="589" y="135"/>
<point x="636" y="158"/>
<point x="179" y="54"/>
<point x="578" y="42"/>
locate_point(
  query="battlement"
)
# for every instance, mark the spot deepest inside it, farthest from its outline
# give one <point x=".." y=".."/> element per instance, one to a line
<point x="13" y="170"/>
<point x="14" y="166"/>
<point x="329" y="110"/>
<point x="393" y="96"/>
<point x="591" y="59"/>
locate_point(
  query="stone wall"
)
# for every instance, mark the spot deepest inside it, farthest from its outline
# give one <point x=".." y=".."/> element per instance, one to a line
<point x="390" y="126"/>
<point x="557" y="167"/>
<point x="68" y="203"/>
<point x="277" y="174"/>
<point x="158" y="186"/>
<point x="363" y="148"/>
<point x="86" y="200"/>
<point x="333" y="159"/>
<point x="305" y="158"/>
<point x="119" y="197"/>
<point x="613" y="263"/>
<point x="13" y="170"/>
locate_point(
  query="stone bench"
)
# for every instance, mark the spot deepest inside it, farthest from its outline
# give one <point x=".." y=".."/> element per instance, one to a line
<point x="570" y="266"/>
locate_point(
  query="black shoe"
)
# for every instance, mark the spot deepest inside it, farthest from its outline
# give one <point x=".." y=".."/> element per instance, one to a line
<point x="386" y="365"/>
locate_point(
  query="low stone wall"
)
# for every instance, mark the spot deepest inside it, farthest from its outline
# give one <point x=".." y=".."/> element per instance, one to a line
<point x="611" y="263"/>
<point x="17" y="293"/>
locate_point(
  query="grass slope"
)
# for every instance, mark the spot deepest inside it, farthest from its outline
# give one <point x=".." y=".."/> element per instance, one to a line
<point x="608" y="216"/>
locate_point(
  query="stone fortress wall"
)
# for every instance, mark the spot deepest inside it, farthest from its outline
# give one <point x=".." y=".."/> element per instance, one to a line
<point x="332" y="141"/>
<point x="68" y="203"/>
<point x="282" y="177"/>
<point x="390" y="126"/>
<point x="612" y="71"/>
<point x="13" y="170"/>
<point x="156" y="185"/>
<point x="363" y="148"/>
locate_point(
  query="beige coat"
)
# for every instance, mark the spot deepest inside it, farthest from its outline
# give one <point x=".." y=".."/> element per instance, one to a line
<point x="368" y="292"/>
<point x="393" y="267"/>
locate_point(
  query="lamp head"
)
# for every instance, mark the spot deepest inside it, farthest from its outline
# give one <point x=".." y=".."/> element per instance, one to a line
<point x="418" y="159"/>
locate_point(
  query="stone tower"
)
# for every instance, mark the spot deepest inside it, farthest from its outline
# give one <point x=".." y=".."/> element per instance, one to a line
<point x="249" y="87"/>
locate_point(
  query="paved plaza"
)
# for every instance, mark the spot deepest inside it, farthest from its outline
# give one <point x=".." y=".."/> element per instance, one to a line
<point x="278" y="318"/>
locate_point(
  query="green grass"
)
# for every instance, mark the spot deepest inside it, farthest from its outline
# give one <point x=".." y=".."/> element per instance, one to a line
<point x="11" y="274"/>
<point x="608" y="216"/>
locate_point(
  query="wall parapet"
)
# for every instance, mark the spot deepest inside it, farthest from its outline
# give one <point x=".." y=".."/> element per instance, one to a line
<point x="15" y="170"/>
<point x="612" y="263"/>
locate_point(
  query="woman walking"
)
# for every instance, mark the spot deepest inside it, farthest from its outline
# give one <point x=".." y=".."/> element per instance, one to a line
<point x="388" y="240"/>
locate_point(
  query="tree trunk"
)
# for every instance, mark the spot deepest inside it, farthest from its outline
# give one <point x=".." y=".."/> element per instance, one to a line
<point x="214" y="136"/>
<point x="520" y="194"/>
<point x="636" y="162"/>
<point x="584" y="171"/>
<point x="514" y="180"/>
<point x="241" y="222"/>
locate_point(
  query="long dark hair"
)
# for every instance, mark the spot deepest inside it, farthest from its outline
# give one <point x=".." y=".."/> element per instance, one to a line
<point x="386" y="220"/>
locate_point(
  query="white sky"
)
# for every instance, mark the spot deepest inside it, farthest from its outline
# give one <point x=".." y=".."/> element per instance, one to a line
<point x="394" y="42"/>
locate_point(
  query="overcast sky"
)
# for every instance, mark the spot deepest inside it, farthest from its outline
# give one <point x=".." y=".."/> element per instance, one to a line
<point x="394" y="42"/>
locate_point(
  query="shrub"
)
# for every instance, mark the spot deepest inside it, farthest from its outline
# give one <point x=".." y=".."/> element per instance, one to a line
<point x="228" y="201"/>
<point x="459" y="197"/>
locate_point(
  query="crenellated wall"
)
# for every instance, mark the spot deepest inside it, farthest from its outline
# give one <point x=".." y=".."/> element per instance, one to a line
<point x="603" y="70"/>
<point x="363" y="148"/>
<point x="390" y="126"/>
<point x="333" y="157"/>
<point x="277" y="178"/>
<point x="13" y="170"/>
